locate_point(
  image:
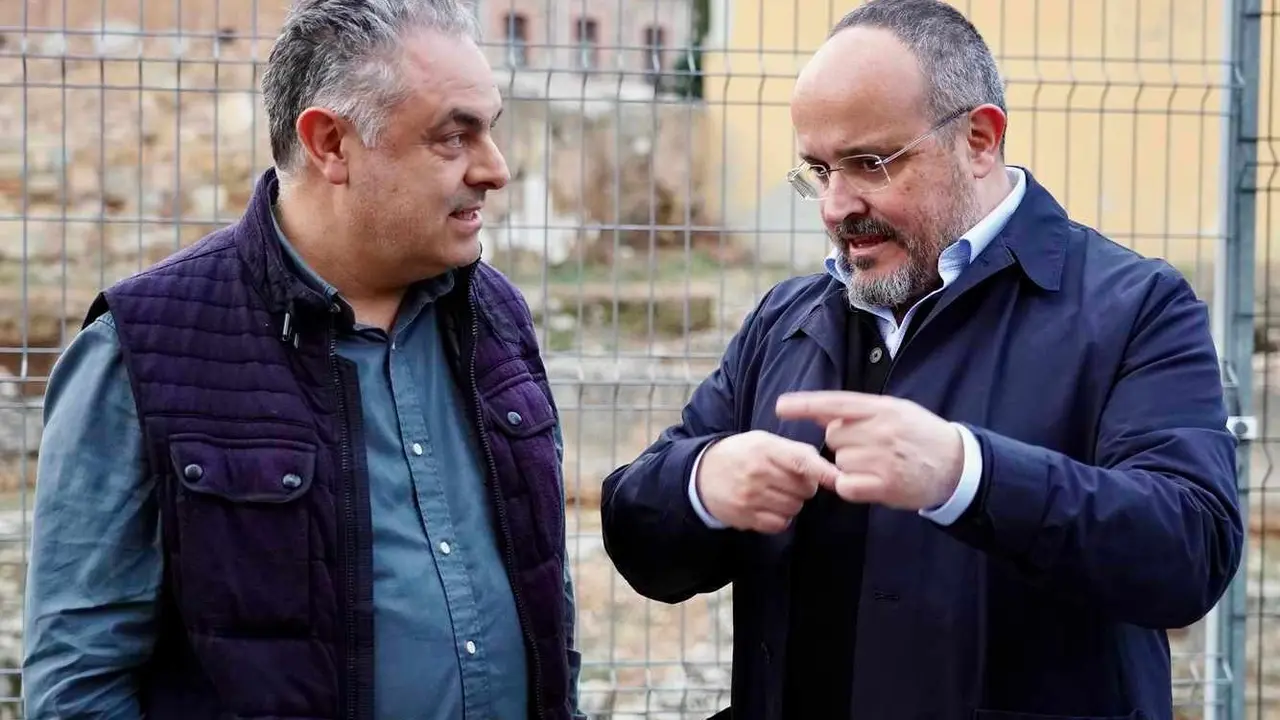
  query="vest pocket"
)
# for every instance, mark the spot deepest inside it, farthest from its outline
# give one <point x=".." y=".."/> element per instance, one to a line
<point x="522" y="425"/>
<point x="243" y="535"/>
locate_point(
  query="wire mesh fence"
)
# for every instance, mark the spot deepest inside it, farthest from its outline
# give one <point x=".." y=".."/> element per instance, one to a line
<point x="648" y="142"/>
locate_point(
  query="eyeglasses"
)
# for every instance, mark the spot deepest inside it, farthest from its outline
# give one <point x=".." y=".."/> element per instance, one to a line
<point x="867" y="173"/>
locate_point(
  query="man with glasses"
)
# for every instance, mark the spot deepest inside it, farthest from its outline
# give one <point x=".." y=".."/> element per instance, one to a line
<point x="976" y="467"/>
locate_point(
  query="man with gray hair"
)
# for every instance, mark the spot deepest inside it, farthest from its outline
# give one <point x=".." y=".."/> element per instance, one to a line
<point x="310" y="466"/>
<point x="975" y="468"/>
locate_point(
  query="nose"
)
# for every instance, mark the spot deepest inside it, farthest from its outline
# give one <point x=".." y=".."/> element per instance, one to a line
<point x="841" y="201"/>
<point x="489" y="169"/>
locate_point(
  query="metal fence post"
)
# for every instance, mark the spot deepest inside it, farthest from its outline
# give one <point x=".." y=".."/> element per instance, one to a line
<point x="1234" y="310"/>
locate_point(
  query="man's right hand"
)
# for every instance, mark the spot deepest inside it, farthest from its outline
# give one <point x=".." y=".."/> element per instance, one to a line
<point x="759" y="481"/>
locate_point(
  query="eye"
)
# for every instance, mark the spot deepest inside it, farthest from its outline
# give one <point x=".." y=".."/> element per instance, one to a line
<point x="865" y="164"/>
<point x="455" y="141"/>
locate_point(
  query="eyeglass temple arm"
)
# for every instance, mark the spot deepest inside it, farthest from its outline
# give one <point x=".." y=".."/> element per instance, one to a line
<point x="938" y="126"/>
<point x="885" y="161"/>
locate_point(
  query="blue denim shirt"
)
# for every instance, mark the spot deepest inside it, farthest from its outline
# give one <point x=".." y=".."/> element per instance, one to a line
<point x="447" y="637"/>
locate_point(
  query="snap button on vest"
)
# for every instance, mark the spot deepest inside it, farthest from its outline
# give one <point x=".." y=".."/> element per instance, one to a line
<point x="876" y="354"/>
<point x="514" y="418"/>
<point x="291" y="481"/>
<point x="193" y="472"/>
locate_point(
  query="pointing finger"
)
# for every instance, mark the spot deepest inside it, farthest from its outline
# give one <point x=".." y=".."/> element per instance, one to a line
<point x="825" y="406"/>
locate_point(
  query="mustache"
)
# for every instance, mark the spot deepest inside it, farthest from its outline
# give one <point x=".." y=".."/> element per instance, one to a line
<point x="852" y="227"/>
<point x="466" y="201"/>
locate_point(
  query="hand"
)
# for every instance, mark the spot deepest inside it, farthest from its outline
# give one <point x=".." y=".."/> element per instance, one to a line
<point x="759" y="481"/>
<point x="888" y="450"/>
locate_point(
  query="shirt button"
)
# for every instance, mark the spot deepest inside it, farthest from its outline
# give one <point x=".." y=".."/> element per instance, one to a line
<point x="417" y="448"/>
<point x="876" y="354"/>
<point x="444" y="548"/>
<point x="471" y="648"/>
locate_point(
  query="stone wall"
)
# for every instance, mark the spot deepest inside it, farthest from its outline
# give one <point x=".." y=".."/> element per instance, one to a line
<point x="99" y="179"/>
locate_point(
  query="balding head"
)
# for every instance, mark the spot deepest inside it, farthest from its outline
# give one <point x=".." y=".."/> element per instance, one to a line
<point x="956" y="65"/>
<point x="865" y="75"/>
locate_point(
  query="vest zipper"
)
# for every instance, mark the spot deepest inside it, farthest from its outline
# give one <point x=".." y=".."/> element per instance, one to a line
<point x="501" y="510"/>
<point x="348" y="509"/>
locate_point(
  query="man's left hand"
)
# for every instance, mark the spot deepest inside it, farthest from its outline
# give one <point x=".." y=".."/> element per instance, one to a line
<point x="889" y="451"/>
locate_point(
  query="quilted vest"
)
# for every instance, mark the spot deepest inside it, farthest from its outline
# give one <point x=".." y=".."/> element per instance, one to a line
<point x="253" y="434"/>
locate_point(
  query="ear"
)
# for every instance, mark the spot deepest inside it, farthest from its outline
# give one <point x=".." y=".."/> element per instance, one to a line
<point x="321" y="133"/>
<point x="987" y="124"/>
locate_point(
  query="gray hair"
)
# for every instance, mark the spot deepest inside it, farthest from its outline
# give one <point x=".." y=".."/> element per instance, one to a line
<point x="958" y="67"/>
<point x="344" y="55"/>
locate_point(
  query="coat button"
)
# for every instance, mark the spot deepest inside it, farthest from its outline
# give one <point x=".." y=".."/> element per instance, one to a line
<point x="876" y="354"/>
<point x="514" y="418"/>
<point x="291" y="481"/>
<point x="193" y="472"/>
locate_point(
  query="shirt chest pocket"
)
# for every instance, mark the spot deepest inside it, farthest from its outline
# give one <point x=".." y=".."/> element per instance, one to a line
<point x="243" y="532"/>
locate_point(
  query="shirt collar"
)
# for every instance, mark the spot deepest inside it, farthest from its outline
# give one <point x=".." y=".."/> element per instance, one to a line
<point x="309" y="276"/>
<point x="420" y="293"/>
<point x="957" y="256"/>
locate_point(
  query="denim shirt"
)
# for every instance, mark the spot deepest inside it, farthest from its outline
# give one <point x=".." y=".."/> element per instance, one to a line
<point x="447" y="637"/>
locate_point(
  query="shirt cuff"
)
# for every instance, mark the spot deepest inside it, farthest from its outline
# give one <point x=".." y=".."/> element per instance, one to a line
<point x="698" y="508"/>
<point x="966" y="488"/>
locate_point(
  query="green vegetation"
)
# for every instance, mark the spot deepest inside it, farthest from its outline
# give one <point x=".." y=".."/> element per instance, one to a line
<point x="688" y="68"/>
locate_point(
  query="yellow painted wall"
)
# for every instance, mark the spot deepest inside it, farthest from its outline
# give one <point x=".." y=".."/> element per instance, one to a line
<point x="1114" y="105"/>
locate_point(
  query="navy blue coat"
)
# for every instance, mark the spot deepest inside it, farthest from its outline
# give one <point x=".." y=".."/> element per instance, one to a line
<point x="1107" y="511"/>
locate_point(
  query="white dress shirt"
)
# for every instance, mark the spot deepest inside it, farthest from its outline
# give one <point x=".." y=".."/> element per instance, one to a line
<point x="951" y="263"/>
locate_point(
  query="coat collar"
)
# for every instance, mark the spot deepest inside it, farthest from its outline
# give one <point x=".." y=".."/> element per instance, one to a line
<point x="256" y="243"/>
<point x="1036" y="236"/>
<point x="824" y="320"/>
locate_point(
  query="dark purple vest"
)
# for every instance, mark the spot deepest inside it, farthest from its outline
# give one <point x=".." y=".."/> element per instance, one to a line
<point x="253" y="432"/>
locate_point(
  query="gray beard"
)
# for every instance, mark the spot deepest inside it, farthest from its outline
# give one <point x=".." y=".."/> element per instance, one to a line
<point x="887" y="291"/>
<point x="918" y="273"/>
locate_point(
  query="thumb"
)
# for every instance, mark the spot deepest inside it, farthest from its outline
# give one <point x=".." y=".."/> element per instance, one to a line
<point x="803" y="462"/>
<point x="822" y="472"/>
